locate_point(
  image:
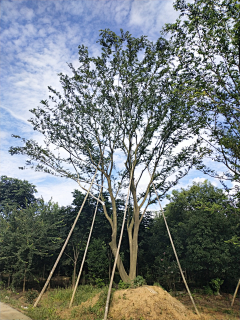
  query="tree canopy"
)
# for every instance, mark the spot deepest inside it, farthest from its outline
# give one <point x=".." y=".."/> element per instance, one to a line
<point x="16" y="192"/>
<point x="206" y="42"/>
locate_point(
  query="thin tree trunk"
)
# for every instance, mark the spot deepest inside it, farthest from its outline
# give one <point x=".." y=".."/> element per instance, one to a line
<point x="74" y="273"/>
<point x="9" y="280"/>
<point x="24" y="280"/>
<point x="109" y="263"/>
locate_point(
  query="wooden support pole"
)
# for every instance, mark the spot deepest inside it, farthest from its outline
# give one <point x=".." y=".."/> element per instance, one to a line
<point x="85" y="252"/>
<point x="174" y="250"/>
<point x="64" y="246"/>
<point x="118" y="249"/>
<point x="235" y="293"/>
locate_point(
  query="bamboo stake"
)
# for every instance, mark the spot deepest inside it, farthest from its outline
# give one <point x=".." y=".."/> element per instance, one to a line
<point x="85" y="252"/>
<point x="235" y="293"/>
<point x="174" y="250"/>
<point x="118" y="249"/>
<point x="64" y="246"/>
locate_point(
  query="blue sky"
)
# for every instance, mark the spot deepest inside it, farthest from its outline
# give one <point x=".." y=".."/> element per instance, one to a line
<point x="38" y="39"/>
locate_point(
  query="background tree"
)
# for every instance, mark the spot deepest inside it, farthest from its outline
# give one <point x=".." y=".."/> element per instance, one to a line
<point x="28" y="235"/>
<point x="120" y="105"/>
<point x="16" y="192"/>
<point x="201" y="220"/>
<point x="206" y="40"/>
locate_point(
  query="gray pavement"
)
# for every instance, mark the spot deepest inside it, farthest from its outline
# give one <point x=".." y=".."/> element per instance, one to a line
<point x="8" y="313"/>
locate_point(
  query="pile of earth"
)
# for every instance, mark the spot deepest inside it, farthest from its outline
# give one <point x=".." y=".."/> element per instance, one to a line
<point x="147" y="303"/>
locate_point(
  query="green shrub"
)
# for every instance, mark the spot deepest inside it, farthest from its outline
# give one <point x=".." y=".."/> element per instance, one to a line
<point x="216" y="284"/>
<point x="139" y="281"/>
<point x="99" y="282"/>
<point x="208" y="290"/>
<point x="123" y="285"/>
<point x="31" y="296"/>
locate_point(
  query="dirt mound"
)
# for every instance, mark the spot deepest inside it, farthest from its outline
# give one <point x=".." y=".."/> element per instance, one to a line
<point x="147" y="303"/>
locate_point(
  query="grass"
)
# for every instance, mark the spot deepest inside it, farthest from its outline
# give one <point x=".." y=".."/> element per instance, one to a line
<point x="55" y="302"/>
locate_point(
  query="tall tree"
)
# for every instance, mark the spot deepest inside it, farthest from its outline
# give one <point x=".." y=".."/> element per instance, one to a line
<point x="16" y="192"/>
<point x="118" y="114"/>
<point x="206" y="40"/>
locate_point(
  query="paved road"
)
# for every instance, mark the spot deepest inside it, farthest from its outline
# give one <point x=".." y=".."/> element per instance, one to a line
<point x="8" y="313"/>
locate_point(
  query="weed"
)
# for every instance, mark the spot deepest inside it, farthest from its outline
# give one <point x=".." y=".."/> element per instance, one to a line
<point x="98" y="308"/>
<point x="139" y="281"/>
<point x="2" y="285"/>
<point x="208" y="291"/>
<point x="216" y="284"/>
<point x="31" y="296"/>
<point x="43" y="313"/>
<point x="123" y="285"/>
<point x="228" y="311"/>
<point x="99" y="282"/>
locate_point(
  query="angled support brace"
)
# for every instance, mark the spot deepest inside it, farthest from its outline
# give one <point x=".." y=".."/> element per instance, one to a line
<point x="174" y="250"/>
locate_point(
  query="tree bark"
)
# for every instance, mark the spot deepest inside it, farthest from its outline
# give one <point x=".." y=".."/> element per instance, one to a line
<point x="133" y="244"/>
<point x="123" y="274"/>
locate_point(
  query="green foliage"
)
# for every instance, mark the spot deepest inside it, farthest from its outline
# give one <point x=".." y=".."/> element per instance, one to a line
<point x="123" y="285"/>
<point x="167" y="271"/>
<point x="16" y="192"/>
<point x="31" y="295"/>
<point x="43" y="313"/>
<point x="201" y="218"/>
<point x="208" y="290"/>
<point x="216" y="284"/>
<point x="206" y="42"/>
<point x="234" y="240"/>
<point x="139" y="281"/>
<point x="97" y="261"/>
<point x="28" y="235"/>
<point x="99" y="282"/>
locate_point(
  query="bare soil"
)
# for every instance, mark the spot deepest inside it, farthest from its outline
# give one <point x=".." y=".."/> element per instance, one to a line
<point x="148" y="303"/>
<point x="154" y="303"/>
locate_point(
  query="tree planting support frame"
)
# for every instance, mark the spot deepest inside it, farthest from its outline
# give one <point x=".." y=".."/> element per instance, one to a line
<point x="65" y="244"/>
